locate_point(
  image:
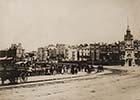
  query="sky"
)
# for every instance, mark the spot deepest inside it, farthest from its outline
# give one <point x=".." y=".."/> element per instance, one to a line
<point x="37" y="23"/>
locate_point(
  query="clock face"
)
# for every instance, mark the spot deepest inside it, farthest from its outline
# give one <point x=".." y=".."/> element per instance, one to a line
<point x="129" y="42"/>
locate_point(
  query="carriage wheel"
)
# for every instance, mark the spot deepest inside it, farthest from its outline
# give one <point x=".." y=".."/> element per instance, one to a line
<point x="23" y="77"/>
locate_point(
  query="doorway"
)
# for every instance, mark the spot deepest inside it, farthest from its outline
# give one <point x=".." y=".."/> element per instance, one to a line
<point x="130" y="62"/>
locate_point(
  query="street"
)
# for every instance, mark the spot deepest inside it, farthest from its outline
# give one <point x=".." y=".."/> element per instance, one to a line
<point x="101" y="86"/>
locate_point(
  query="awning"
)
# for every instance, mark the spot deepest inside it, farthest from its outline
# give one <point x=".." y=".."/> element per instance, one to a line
<point x="20" y="62"/>
<point x="6" y="58"/>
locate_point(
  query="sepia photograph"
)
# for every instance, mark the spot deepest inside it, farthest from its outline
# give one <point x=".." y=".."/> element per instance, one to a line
<point x="69" y="50"/>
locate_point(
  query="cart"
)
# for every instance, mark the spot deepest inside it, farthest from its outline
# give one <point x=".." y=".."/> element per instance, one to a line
<point x="13" y="72"/>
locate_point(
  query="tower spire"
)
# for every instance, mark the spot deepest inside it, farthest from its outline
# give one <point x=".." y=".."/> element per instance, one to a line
<point x="128" y="27"/>
<point x="127" y="21"/>
<point x="128" y="36"/>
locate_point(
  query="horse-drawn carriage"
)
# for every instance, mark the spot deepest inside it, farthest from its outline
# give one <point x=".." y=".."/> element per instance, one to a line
<point x="12" y="71"/>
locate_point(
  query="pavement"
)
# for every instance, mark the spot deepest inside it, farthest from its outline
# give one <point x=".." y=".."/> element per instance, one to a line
<point x="49" y="79"/>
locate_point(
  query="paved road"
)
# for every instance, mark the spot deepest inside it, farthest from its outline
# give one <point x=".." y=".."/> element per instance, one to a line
<point x="89" y="87"/>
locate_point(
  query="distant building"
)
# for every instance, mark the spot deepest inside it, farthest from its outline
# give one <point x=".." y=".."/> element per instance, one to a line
<point x="61" y="52"/>
<point x="72" y="53"/>
<point x="16" y="49"/>
<point x="137" y="51"/>
<point x="52" y="53"/>
<point x="3" y="53"/>
<point x="42" y="54"/>
<point x="16" y="52"/>
<point x="122" y="49"/>
<point x="83" y="52"/>
<point x="95" y="53"/>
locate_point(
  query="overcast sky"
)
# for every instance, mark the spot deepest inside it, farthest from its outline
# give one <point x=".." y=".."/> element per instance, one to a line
<point x="36" y="23"/>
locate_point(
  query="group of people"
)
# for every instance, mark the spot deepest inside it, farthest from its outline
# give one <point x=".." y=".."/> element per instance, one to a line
<point x="62" y="68"/>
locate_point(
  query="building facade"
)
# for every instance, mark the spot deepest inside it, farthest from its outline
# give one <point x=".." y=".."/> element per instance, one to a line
<point x="16" y="52"/>
<point x="42" y="54"/>
<point x="72" y="53"/>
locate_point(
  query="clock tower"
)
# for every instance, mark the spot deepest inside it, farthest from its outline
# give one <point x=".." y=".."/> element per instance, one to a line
<point x="129" y="48"/>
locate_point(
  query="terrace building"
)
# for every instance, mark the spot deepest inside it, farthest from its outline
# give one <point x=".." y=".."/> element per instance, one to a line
<point x="15" y="52"/>
<point x="52" y="53"/>
<point x="72" y="53"/>
<point x="83" y="52"/>
<point x="42" y="54"/>
<point x="137" y="51"/>
<point x="61" y="52"/>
